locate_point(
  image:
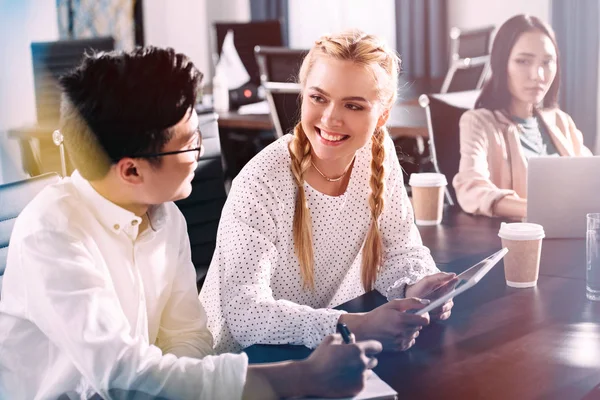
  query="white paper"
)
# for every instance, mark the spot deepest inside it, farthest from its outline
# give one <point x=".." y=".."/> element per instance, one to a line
<point x="230" y="64"/>
<point x="262" y="107"/>
<point x="375" y="388"/>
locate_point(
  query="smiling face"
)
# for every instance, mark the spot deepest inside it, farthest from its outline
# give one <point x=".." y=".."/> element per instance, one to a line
<point x="341" y="107"/>
<point x="531" y="68"/>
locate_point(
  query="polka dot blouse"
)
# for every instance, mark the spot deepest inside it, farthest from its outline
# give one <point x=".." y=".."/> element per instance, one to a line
<point x="253" y="292"/>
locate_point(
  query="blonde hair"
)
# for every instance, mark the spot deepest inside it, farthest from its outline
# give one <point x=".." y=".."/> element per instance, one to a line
<point x="369" y="51"/>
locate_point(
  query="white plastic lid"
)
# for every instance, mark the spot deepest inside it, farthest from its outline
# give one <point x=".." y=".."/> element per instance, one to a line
<point x="427" y="179"/>
<point x="521" y="231"/>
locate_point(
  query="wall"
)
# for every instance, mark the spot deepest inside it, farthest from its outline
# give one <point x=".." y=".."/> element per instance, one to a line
<point x="22" y="22"/>
<point x="475" y="13"/>
<point x="310" y="19"/>
<point x="187" y="26"/>
<point x="228" y="11"/>
<point x="224" y="11"/>
<point x="180" y="24"/>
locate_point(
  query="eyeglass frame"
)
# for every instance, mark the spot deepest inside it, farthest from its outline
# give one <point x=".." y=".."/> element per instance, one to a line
<point x="200" y="151"/>
<point x="58" y="139"/>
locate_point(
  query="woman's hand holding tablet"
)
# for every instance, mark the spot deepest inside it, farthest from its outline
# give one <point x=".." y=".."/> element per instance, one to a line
<point x="460" y="283"/>
<point x="427" y="285"/>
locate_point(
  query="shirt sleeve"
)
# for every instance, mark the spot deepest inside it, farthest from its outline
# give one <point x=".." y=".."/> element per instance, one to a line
<point x="475" y="192"/>
<point x="246" y="254"/>
<point x="405" y="259"/>
<point x="72" y="302"/>
<point x="183" y="330"/>
<point x="577" y="139"/>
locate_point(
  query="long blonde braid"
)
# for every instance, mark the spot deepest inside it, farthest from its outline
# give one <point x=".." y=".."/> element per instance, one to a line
<point x="363" y="49"/>
<point x="299" y="149"/>
<point x="373" y="248"/>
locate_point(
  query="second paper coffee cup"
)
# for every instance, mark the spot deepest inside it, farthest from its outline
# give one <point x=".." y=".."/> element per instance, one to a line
<point x="428" y="197"/>
<point x="522" y="262"/>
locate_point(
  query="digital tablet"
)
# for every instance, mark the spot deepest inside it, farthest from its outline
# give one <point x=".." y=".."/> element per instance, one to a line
<point x="461" y="282"/>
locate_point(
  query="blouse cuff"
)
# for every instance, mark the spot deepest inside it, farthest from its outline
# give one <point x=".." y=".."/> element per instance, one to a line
<point x="398" y="289"/>
<point x="324" y="324"/>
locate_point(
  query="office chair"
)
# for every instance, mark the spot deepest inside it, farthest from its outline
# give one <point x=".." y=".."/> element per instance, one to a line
<point x="53" y="59"/>
<point x="443" y="112"/>
<point x="279" y="64"/>
<point x="202" y="209"/>
<point x="284" y="105"/>
<point x="279" y="68"/>
<point x="14" y="197"/>
<point x="50" y="60"/>
<point x="469" y="59"/>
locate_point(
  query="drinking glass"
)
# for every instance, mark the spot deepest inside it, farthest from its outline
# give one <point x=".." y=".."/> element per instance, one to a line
<point x="593" y="257"/>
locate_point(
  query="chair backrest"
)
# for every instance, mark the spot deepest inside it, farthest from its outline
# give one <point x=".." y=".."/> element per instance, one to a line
<point x="14" y="197"/>
<point x="469" y="59"/>
<point x="284" y="105"/>
<point x="246" y="36"/>
<point x="279" y="64"/>
<point x="50" y="61"/>
<point x="279" y="68"/>
<point x="464" y="79"/>
<point x="202" y="209"/>
<point x="471" y="43"/>
<point x="443" y="112"/>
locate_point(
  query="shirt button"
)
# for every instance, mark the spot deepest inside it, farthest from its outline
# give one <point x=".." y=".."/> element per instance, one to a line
<point x="134" y="222"/>
<point x="117" y="227"/>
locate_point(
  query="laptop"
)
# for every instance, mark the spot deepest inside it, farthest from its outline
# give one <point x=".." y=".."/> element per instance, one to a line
<point x="560" y="192"/>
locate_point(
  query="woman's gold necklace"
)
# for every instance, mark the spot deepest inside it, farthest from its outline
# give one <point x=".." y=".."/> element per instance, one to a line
<point x="328" y="179"/>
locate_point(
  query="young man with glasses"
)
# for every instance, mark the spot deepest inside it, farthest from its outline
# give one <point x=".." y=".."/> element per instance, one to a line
<point x="99" y="296"/>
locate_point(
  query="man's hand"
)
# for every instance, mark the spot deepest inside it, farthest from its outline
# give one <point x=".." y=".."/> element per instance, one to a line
<point x="336" y="369"/>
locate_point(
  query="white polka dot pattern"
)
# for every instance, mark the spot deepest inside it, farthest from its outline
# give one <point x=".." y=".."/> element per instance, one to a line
<point x="253" y="292"/>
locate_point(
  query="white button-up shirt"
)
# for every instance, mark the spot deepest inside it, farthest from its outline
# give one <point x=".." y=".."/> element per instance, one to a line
<point x="92" y="305"/>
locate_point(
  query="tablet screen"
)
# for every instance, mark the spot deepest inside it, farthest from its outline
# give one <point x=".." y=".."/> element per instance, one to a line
<point x="460" y="279"/>
<point x="461" y="282"/>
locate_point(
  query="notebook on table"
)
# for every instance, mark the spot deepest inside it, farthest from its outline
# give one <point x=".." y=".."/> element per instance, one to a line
<point x="375" y="388"/>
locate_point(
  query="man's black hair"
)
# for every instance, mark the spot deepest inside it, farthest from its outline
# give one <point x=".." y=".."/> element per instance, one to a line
<point x="120" y="104"/>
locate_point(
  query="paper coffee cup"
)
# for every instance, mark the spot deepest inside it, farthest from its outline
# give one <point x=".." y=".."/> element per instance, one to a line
<point x="522" y="262"/>
<point x="428" y="197"/>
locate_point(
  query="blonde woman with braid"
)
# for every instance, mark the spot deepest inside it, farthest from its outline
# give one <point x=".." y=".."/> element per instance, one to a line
<point x="321" y="216"/>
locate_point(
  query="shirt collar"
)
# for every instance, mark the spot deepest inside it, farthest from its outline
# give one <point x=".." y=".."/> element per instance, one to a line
<point x="112" y="216"/>
<point x="543" y="114"/>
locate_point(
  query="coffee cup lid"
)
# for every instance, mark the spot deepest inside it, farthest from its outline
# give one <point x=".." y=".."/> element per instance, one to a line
<point x="427" y="179"/>
<point x="521" y="231"/>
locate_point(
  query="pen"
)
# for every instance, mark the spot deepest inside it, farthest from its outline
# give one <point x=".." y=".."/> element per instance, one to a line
<point x="345" y="332"/>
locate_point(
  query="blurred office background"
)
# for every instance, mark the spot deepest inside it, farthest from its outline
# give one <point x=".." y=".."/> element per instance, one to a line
<point x="418" y="29"/>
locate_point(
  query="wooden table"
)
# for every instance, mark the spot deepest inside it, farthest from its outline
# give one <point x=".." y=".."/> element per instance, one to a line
<point x="406" y="120"/>
<point x="500" y="343"/>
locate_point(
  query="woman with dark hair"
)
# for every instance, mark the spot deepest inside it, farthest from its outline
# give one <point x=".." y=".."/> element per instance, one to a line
<point x="516" y="117"/>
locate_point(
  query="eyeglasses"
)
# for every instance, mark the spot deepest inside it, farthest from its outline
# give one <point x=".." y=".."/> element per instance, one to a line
<point x="58" y="140"/>
<point x="200" y="151"/>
